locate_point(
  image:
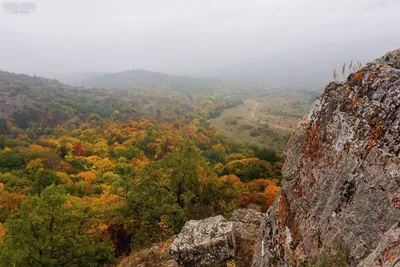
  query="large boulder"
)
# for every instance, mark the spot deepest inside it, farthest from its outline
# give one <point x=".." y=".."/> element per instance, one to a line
<point x="214" y="240"/>
<point x="204" y="242"/>
<point x="340" y="200"/>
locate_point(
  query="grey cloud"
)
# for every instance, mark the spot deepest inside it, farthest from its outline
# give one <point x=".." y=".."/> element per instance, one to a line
<point x="188" y="37"/>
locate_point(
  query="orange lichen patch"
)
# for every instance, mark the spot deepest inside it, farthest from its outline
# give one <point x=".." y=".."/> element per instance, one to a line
<point x="376" y="132"/>
<point x="348" y="91"/>
<point x="313" y="144"/>
<point x="356" y="101"/>
<point x="371" y="145"/>
<point x="372" y="77"/>
<point x="389" y="258"/>
<point x="389" y="254"/>
<point x="359" y="75"/>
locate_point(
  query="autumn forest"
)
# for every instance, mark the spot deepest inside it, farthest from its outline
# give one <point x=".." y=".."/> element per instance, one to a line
<point x="90" y="175"/>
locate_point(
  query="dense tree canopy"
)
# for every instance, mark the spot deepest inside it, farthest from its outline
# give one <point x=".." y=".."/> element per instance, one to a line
<point x="93" y="175"/>
<point x="50" y="230"/>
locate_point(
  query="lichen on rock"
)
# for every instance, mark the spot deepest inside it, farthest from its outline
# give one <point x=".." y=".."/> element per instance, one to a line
<point x="341" y="186"/>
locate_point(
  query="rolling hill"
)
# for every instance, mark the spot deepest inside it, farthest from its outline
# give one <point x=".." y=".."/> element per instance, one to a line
<point x="139" y="79"/>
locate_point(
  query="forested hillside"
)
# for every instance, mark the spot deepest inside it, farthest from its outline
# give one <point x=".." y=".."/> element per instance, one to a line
<point x="27" y="101"/>
<point x="88" y="175"/>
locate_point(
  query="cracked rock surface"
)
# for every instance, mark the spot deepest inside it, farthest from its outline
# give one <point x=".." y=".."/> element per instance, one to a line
<point x="341" y="186"/>
<point x="215" y="240"/>
<point x="204" y="242"/>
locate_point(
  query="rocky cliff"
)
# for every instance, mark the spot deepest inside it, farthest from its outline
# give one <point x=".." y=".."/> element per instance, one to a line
<point x="340" y="200"/>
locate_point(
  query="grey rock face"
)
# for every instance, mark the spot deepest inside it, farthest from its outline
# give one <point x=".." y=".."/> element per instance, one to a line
<point x="246" y="224"/>
<point x="204" y="242"/>
<point x="341" y="187"/>
<point x="215" y="239"/>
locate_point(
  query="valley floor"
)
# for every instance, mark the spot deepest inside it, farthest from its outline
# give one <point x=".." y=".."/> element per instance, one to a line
<point x="266" y="121"/>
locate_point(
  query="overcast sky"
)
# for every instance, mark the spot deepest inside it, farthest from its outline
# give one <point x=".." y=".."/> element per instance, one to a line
<point x="187" y="36"/>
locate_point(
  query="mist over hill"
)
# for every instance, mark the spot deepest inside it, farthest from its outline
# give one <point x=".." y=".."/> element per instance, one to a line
<point x="304" y="68"/>
<point x="143" y="79"/>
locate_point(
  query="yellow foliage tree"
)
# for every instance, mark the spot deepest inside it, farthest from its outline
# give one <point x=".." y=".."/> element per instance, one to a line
<point x="34" y="164"/>
<point x="93" y="159"/>
<point x="87" y="176"/>
<point x="105" y="165"/>
<point x="218" y="148"/>
<point x="233" y="178"/>
<point x="63" y="177"/>
<point x="10" y="202"/>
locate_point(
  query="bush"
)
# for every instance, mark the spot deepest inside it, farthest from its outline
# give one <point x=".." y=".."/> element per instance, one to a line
<point x="255" y="133"/>
<point x="268" y="155"/>
<point x="10" y="160"/>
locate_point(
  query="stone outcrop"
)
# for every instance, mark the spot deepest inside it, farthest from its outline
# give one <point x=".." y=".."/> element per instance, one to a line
<point x="204" y="242"/>
<point x="340" y="198"/>
<point x="215" y="240"/>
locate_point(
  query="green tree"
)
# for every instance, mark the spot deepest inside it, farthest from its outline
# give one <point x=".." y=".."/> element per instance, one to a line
<point x="10" y="160"/>
<point x="249" y="169"/>
<point x="181" y="186"/>
<point x="43" y="179"/>
<point x="148" y="200"/>
<point x="2" y="141"/>
<point x="267" y="154"/>
<point x="49" y="230"/>
<point x="188" y="169"/>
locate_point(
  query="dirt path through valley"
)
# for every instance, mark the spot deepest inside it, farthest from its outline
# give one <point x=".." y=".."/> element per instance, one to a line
<point x="254" y="117"/>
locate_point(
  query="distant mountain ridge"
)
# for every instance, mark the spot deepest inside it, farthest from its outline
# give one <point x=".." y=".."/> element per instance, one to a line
<point x="139" y="78"/>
